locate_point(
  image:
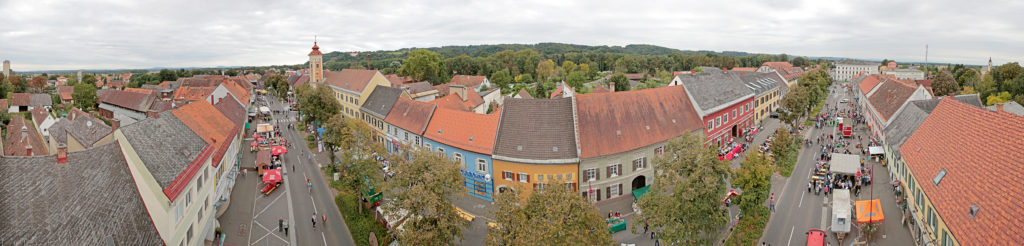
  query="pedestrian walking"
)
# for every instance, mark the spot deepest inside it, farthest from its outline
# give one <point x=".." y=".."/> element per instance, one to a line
<point x="280" y="224"/>
<point x="314" y="220"/>
<point x="771" y="202"/>
<point x="286" y="227"/>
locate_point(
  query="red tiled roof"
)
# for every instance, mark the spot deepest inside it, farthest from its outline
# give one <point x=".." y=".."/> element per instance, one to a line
<point x="3" y="104"/>
<point x="209" y="123"/>
<point x="611" y="123"/>
<point x="130" y="100"/>
<point x="238" y="92"/>
<point x="66" y="92"/>
<point x="981" y="153"/>
<point x="599" y="89"/>
<point x="410" y="115"/>
<point x="189" y="93"/>
<point x="869" y="83"/>
<point x="316" y="50"/>
<point x="442" y="90"/>
<point x="398" y="81"/>
<point x="138" y="90"/>
<point x="467" y="80"/>
<point x="21" y="99"/>
<point x="39" y="114"/>
<point x="464" y="130"/>
<point x="16" y="145"/>
<point x="889" y="97"/>
<point x="350" y="79"/>
<point x="116" y="84"/>
<point x="454" y="101"/>
<point x="744" y="69"/>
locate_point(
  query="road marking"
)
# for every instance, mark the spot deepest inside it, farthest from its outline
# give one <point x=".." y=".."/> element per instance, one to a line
<point x="268" y="206"/>
<point x="314" y="203"/>
<point x="801" y="204"/>
<point x="324" y="237"/>
<point x="790" y="235"/>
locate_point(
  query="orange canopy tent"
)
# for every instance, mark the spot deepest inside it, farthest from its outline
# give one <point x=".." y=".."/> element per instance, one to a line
<point x="869" y="211"/>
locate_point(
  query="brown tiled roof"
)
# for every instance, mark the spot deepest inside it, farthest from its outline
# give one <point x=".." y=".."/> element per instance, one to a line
<point x="611" y="123"/>
<point x="600" y="89"/>
<point x="419" y="87"/>
<point x="206" y="121"/>
<point x="463" y="130"/>
<point x="889" y="97"/>
<point x="239" y="93"/>
<point x="350" y="79"/>
<point x="38" y="114"/>
<point x="442" y="90"/>
<point x="744" y="69"/>
<point x="410" y="115"/>
<point x="21" y="99"/>
<point x="980" y="151"/>
<point x="116" y="84"/>
<point x="467" y="80"/>
<point x="537" y="131"/>
<point x="233" y="111"/>
<point x="3" y="104"/>
<point x="189" y="93"/>
<point x="131" y="100"/>
<point x="525" y="95"/>
<point x="137" y="90"/>
<point x="66" y="92"/>
<point x="203" y="80"/>
<point x="17" y="145"/>
<point x="454" y="101"/>
<point x="398" y="81"/>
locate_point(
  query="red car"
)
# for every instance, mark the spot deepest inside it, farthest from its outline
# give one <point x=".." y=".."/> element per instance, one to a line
<point x="815" y="237"/>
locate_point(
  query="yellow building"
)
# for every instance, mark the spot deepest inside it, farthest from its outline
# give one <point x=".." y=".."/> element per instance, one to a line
<point x="527" y="157"/>
<point x="766" y="92"/>
<point x="351" y="87"/>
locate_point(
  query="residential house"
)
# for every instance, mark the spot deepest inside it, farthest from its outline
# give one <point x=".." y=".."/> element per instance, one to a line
<point x="887" y="100"/>
<point x="421" y="91"/>
<point x="79" y="131"/>
<point x="1010" y="107"/>
<point x="492" y="98"/>
<point x="767" y="92"/>
<point x="621" y="133"/>
<point x="351" y="87"/>
<point x="187" y="94"/>
<point x="468" y="139"/>
<point x="23" y="102"/>
<point x="442" y="90"/>
<point x="523" y="94"/>
<point x="722" y="100"/>
<point x="43" y="121"/>
<point x="963" y="170"/>
<point x="400" y="81"/>
<point x="406" y="122"/>
<point x="905" y="73"/>
<point x="130" y="107"/>
<point x="477" y="83"/>
<point x="171" y="166"/>
<point x="66" y="93"/>
<point x="562" y="90"/>
<point x="165" y="89"/>
<point x="23" y="139"/>
<point x="79" y="198"/>
<point x="212" y="124"/>
<point x="536" y="146"/>
<point x="377" y="107"/>
<point x="845" y="70"/>
<point x="464" y="99"/>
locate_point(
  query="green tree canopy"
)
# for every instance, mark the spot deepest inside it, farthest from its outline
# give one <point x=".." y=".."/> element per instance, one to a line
<point x="545" y="69"/>
<point x="425" y="187"/>
<point x="684" y="203"/>
<point x="801" y="62"/>
<point x="754" y="179"/>
<point x="553" y="214"/>
<point x="85" y="96"/>
<point x="317" y="104"/>
<point x="163" y="75"/>
<point x="620" y="80"/>
<point x="944" y="84"/>
<point x="576" y="80"/>
<point x="423" y="65"/>
<point x="1002" y="97"/>
<point x="502" y="79"/>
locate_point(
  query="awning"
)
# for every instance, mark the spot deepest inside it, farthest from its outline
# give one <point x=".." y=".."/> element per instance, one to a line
<point x="265" y="109"/>
<point x="844" y="164"/>
<point x="261" y="128"/>
<point x="869" y="211"/>
<point x="272" y="176"/>
<point x="637" y="193"/>
<point x="876" y="150"/>
<point x="278" y="150"/>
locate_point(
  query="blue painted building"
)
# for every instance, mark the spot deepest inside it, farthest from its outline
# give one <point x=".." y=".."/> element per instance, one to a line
<point x="467" y="138"/>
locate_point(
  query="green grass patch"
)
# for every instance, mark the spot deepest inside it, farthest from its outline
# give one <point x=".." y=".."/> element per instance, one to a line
<point x="360" y="224"/>
<point x="750" y="227"/>
<point x="788" y="162"/>
<point x="814" y="111"/>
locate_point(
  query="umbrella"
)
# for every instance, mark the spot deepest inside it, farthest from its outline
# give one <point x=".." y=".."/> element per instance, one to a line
<point x="272" y="176"/>
<point x="255" y="135"/>
<point x="259" y="139"/>
<point x="254" y="143"/>
<point x="278" y="150"/>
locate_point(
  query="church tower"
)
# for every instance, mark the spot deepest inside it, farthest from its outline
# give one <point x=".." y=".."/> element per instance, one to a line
<point x="316" y="66"/>
<point x="989" y="64"/>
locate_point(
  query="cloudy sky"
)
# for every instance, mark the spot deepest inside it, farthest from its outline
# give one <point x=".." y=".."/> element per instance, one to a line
<point x="71" y="34"/>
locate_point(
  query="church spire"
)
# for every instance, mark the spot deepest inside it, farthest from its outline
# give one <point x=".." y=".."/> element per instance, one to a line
<point x="316" y="65"/>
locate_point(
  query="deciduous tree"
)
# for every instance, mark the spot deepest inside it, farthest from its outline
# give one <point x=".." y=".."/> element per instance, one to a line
<point x="684" y="203"/>
<point x="620" y="80"/>
<point x="85" y="95"/>
<point x="502" y="79"/>
<point x="423" y="189"/>
<point x="944" y="84"/>
<point x="754" y="179"/>
<point x="545" y="69"/>
<point x="1002" y="97"/>
<point x="422" y="65"/>
<point x="552" y="215"/>
<point x="317" y="104"/>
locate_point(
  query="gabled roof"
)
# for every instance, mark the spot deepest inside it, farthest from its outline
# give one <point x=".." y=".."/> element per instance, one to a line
<point x="20" y="135"/>
<point x="904" y="124"/>
<point x="380" y="101"/>
<point x="980" y="153"/>
<point x="442" y="89"/>
<point x="714" y="90"/>
<point x="350" y="79"/>
<point x="65" y="92"/>
<point x="190" y="93"/>
<point x="761" y="83"/>
<point x="89" y="200"/>
<point x="21" y="99"/>
<point x="612" y="123"/>
<point x="523" y="94"/>
<point x="241" y="94"/>
<point x="39" y="114"/>
<point x="539" y="131"/>
<point x="455" y="101"/>
<point x="744" y="69"/>
<point x="300" y="80"/>
<point x="166" y="146"/>
<point x="41" y="99"/>
<point x="208" y="123"/>
<point x="398" y="81"/>
<point x="889" y="97"/>
<point x="869" y="82"/>
<point x="410" y="115"/>
<point x="598" y="89"/>
<point x="84" y="128"/>
<point x="463" y="130"/>
<point x="467" y="80"/>
<point x="1010" y="107"/>
<point x="130" y="100"/>
<point x="419" y="87"/>
<point x="233" y="111"/>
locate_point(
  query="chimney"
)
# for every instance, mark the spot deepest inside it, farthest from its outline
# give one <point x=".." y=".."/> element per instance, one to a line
<point x="114" y="124"/>
<point x="999" y="107"/>
<point x="725" y="70"/>
<point x="62" y="153"/>
<point x="611" y="86"/>
<point x="458" y="89"/>
<point x="24" y="133"/>
<point x="28" y="150"/>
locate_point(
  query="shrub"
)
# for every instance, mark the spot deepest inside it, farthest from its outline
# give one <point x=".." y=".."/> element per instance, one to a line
<point x="360" y="224"/>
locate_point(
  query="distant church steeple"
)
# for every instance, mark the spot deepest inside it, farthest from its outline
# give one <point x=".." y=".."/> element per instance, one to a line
<point x="316" y="65"/>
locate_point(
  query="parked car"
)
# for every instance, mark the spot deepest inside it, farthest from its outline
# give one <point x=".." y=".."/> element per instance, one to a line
<point x="815" y="237"/>
<point x="774" y="115"/>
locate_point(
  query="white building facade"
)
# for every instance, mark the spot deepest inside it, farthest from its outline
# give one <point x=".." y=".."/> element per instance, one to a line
<point x="845" y="70"/>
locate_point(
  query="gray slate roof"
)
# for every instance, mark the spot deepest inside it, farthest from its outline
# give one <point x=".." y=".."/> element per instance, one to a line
<point x="165" y="144"/>
<point x="929" y="104"/>
<point x="712" y="91"/>
<point x="41" y="99"/>
<point x="85" y="129"/>
<point x="381" y="100"/>
<point x="1010" y="107"/>
<point x="760" y="83"/>
<point x="90" y="200"/>
<point x="539" y="131"/>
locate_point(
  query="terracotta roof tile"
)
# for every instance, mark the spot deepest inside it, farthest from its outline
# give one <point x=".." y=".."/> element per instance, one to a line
<point x="442" y="90"/>
<point x="131" y="100"/>
<point x="981" y="153"/>
<point x="398" y="81"/>
<point x="889" y="97"/>
<point x="464" y="130"/>
<point x="454" y="101"/>
<point x="66" y="92"/>
<point x="18" y="141"/>
<point x="3" y="104"/>
<point x="20" y="99"/>
<point x="241" y="94"/>
<point x="410" y="115"/>
<point x="744" y="69"/>
<point x="350" y="79"/>
<point x="537" y="130"/>
<point x="599" y="89"/>
<point x="611" y="123"/>
<point x="189" y="93"/>
<point x="209" y="123"/>
<point x="525" y="95"/>
<point x="467" y="80"/>
<point x="869" y="82"/>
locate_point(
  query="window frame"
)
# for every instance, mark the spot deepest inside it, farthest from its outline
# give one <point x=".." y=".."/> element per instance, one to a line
<point x="481" y="165"/>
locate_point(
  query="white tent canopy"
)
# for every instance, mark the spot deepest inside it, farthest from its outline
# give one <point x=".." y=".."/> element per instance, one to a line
<point x="841" y="208"/>
<point x="265" y="109"/>
<point x="876" y="150"/>
<point x="844" y="164"/>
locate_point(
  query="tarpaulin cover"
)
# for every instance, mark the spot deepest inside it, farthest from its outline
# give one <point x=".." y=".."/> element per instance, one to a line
<point x="869" y="211"/>
<point x="844" y="164"/>
<point x="272" y="176"/>
<point x="278" y="150"/>
<point x="876" y="150"/>
<point x="638" y="193"/>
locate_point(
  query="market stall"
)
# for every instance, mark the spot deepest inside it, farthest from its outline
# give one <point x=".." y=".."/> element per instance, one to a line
<point x="870" y="211"/>
<point x="278" y="150"/>
<point x="844" y="164"/>
<point x="841" y="213"/>
<point x="271" y="178"/>
<point x="262" y="161"/>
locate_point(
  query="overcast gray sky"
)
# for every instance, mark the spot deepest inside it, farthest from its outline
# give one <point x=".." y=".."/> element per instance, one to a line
<point x="69" y="34"/>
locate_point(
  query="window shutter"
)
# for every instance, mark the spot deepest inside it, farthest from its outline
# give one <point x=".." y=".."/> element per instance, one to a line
<point x="574" y="186"/>
<point x="608" y="171"/>
<point x="620" y="189"/>
<point x="597" y="174"/>
<point x="598" y="194"/>
<point x="515" y="176"/>
<point x="535" y="186"/>
<point x="608" y="192"/>
<point x="634" y="166"/>
<point x="527" y="178"/>
<point x="620" y="169"/>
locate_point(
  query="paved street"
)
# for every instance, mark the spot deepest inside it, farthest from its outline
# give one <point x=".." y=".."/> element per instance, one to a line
<point x="797" y="210"/>
<point x="252" y="218"/>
